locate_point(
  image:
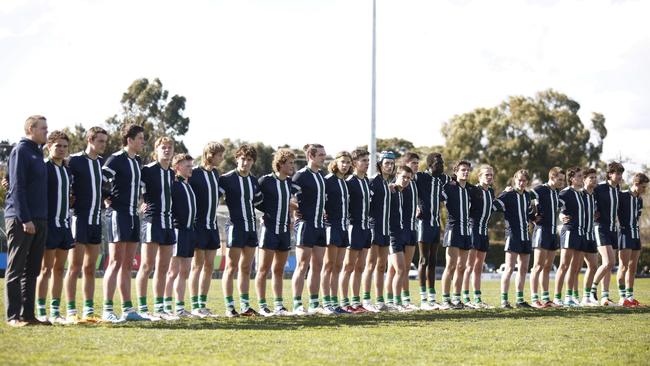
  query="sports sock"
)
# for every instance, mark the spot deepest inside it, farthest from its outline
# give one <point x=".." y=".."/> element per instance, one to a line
<point x="520" y="297"/>
<point x="621" y="291"/>
<point x="326" y="300"/>
<point x="313" y="301"/>
<point x="423" y="293"/>
<point x="54" y="307"/>
<point x="465" y="295"/>
<point x="334" y="301"/>
<point x="278" y="303"/>
<point x="195" y="302"/>
<point x="203" y="300"/>
<point x="534" y="297"/>
<point x="594" y="288"/>
<point x="630" y="293"/>
<point x="89" y="307"/>
<point x="366" y="296"/>
<point x="71" y="308"/>
<point x="244" y="302"/>
<point x="446" y="298"/>
<point x="432" y="294"/>
<point x="356" y="300"/>
<point x="406" y="297"/>
<point x="477" y="296"/>
<point x="159" y="304"/>
<point x="345" y="302"/>
<point x="297" y="301"/>
<point x="587" y="292"/>
<point x="605" y="295"/>
<point x="40" y="304"/>
<point x="558" y="296"/>
<point x="546" y="296"/>
<point x="230" y="302"/>
<point x="398" y="300"/>
<point x="180" y="305"/>
<point x="456" y="297"/>
<point x="168" y="304"/>
<point x="142" y="304"/>
<point x="504" y="297"/>
<point x="262" y="303"/>
<point x="108" y="306"/>
<point x="127" y="306"/>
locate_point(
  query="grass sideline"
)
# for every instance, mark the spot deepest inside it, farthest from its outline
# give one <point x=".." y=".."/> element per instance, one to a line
<point x="578" y="336"/>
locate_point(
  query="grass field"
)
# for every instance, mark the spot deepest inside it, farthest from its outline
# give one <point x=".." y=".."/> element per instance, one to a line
<point x="577" y="336"/>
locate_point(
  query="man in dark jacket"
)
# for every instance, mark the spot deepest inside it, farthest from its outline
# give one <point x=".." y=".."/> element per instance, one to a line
<point x="26" y="222"/>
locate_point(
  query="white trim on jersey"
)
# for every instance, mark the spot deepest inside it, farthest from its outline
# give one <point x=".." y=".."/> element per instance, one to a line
<point x="242" y="200"/>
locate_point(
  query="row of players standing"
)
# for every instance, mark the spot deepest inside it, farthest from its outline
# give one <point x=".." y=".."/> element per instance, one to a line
<point x="374" y="219"/>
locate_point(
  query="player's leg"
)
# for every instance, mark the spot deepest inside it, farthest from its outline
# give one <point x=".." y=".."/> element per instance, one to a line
<point x="172" y="275"/>
<point x="380" y="270"/>
<point x="409" y="252"/>
<point x="423" y="266"/>
<point x="265" y="259"/>
<point x="180" y="283"/>
<point x="510" y="260"/>
<point x="195" y="275"/>
<point x="572" y="277"/>
<point x="244" y="279"/>
<point x="451" y="257"/>
<point x="467" y="275"/>
<point x="562" y="272"/>
<point x="232" y="263"/>
<point x="124" y="281"/>
<point x="116" y="254"/>
<point x="43" y="282"/>
<point x="279" y="262"/>
<point x="163" y="258"/>
<point x="631" y="273"/>
<point x="523" y="260"/>
<point x="303" y="256"/>
<point x="205" y="279"/>
<point x="148" y="252"/>
<point x="592" y="264"/>
<point x="369" y="270"/>
<point x="334" y="281"/>
<point x="75" y="262"/>
<point x="349" y="263"/>
<point x="624" y="256"/>
<point x="58" y="272"/>
<point x="329" y="260"/>
<point x="459" y="274"/>
<point x="359" y="270"/>
<point x="546" y="276"/>
<point x="91" y="253"/>
<point x="604" y="272"/>
<point x="539" y="260"/>
<point x="477" y="270"/>
<point x="397" y="263"/>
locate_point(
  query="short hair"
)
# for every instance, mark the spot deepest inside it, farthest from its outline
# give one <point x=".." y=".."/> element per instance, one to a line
<point x="94" y="131"/>
<point x="485" y="167"/>
<point x="588" y="171"/>
<point x="554" y="171"/>
<point x="311" y="149"/>
<point x="57" y="135"/>
<point x="159" y="141"/>
<point x="246" y="151"/>
<point x="281" y="157"/>
<point x="523" y="173"/>
<point x="130" y="131"/>
<point x="409" y="156"/>
<point x="432" y="157"/>
<point x="404" y="168"/>
<point x="334" y="168"/>
<point x="31" y="122"/>
<point x="211" y="149"/>
<point x="179" y="158"/>
<point x="640" y="178"/>
<point x="358" y="154"/>
<point x="462" y="162"/>
<point x="615" y="167"/>
<point x="571" y="172"/>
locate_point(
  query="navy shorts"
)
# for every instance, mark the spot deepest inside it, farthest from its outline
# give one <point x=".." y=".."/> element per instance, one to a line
<point x="628" y="241"/>
<point x="85" y="233"/>
<point x="589" y="246"/>
<point x="514" y="244"/>
<point x="379" y="239"/>
<point x="428" y="234"/>
<point x="570" y="239"/>
<point x="122" y="227"/>
<point x="238" y="237"/>
<point x="309" y="236"/>
<point x="454" y="238"/>
<point x="272" y="241"/>
<point x="59" y="238"/>
<point x="479" y="242"/>
<point x="606" y="237"/>
<point x="154" y="233"/>
<point x="185" y="239"/>
<point x="544" y="237"/>
<point x="337" y="236"/>
<point x="411" y="237"/>
<point x="207" y="239"/>
<point x="398" y="240"/>
<point x="359" y="238"/>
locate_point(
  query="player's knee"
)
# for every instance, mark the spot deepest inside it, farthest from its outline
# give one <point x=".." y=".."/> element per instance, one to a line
<point x="88" y="271"/>
<point x="75" y="270"/>
<point x="184" y="272"/>
<point x="146" y="268"/>
<point x="58" y="271"/>
<point x="336" y="268"/>
<point x="46" y="272"/>
<point x="278" y="271"/>
<point x="424" y="262"/>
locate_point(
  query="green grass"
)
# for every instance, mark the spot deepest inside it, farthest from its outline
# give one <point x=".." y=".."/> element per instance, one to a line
<point x="578" y="336"/>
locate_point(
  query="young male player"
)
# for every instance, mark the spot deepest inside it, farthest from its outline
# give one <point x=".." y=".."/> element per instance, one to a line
<point x="590" y="247"/>
<point x="121" y="175"/>
<point x="358" y="231"/>
<point x="59" y="237"/>
<point x="275" y="241"/>
<point x="518" y="209"/>
<point x="242" y="193"/>
<point x="309" y="186"/>
<point x="429" y="185"/>
<point x="336" y="229"/>
<point x="607" y="202"/>
<point x="457" y="239"/>
<point x="205" y="184"/>
<point x="184" y="215"/>
<point x="545" y="239"/>
<point x="629" y="240"/>
<point x="159" y="236"/>
<point x="86" y="170"/>
<point x="481" y="203"/>
<point x="377" y="258"/>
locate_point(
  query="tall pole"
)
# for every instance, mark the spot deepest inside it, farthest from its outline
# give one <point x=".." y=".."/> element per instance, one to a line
<point x="372" y="145"/>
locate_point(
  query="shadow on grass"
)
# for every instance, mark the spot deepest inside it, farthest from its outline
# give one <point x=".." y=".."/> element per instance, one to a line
<point x="388" y="319"/>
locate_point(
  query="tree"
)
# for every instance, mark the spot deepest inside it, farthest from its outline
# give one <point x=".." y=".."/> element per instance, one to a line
<point x="77" y="136"/>
<point x="263" y="165"/>
<point x="149" y="105"/>
<point x="395" y="144"/>
<point x="535" y="133"/>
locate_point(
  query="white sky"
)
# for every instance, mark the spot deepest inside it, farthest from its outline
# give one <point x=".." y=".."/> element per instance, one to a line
<point x="296" y="71"/>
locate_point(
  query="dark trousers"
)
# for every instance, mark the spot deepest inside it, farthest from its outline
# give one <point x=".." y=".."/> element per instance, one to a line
<point x="24" y="257"/>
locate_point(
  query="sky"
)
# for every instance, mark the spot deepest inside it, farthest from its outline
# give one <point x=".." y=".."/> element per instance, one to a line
<point x="297" y="71"/>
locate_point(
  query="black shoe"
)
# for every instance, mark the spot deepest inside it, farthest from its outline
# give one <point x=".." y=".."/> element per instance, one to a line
<point x="231" y="313"/>
<point x="594" y="294"/>
<point x="249" y="312"/>
<point x="506" y="305"/>
<point x="522" y="305"/>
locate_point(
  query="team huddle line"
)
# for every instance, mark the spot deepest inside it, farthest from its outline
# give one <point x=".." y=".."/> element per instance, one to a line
<point x="351" y="231"/>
